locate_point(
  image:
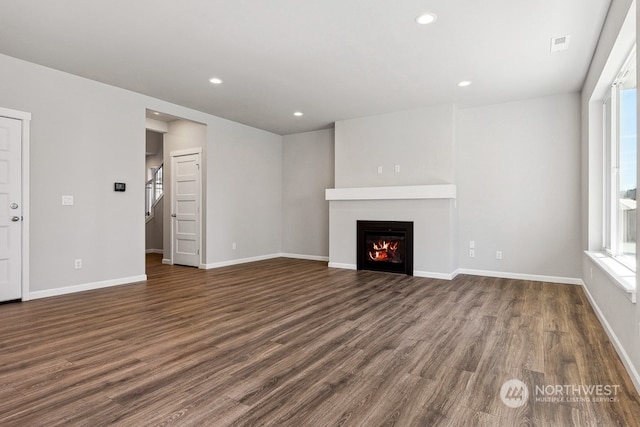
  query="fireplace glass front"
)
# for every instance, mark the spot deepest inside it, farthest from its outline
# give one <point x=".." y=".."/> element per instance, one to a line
<point x="385" y="246"/>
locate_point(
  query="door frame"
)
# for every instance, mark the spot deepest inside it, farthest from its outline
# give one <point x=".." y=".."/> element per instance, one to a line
<point x="25" y="118"/>
<point x="179" y="153"/>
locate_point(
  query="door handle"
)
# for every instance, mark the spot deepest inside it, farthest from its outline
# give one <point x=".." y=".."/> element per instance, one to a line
<point x="173" y="215"/>
<point x="15" y="218"/>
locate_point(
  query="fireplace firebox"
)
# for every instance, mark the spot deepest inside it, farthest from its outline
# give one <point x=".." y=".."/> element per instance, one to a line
<point x="385" y="246"/>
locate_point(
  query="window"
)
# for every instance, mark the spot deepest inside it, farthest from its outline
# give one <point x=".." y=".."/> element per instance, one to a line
<point x="158" y="184"/>
<point x="153" y="189"/>
<point x="620" y="117"/>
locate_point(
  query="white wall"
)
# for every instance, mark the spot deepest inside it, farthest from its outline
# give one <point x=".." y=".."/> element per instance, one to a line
<point x="77" y="149"/>
<point x="153" y="153"/>
<point x="244" y="203"/>
<point x="517" y="170"/>
<point x="519" y="187"/>
<point x="154" y="230"/>
<point x="308" y="169"/>
<point x="420" y="141"/>
<point x="618" y="314"/>
<point x="84" y="137"/>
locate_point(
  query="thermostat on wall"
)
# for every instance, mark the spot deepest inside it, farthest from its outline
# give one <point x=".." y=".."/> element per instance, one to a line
<point x="119" y="186"/>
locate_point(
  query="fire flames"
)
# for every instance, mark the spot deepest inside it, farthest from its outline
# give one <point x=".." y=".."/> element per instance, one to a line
<point x="383" y="251"/>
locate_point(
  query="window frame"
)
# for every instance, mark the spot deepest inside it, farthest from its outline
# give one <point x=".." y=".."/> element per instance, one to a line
<point x="612" y="216"/>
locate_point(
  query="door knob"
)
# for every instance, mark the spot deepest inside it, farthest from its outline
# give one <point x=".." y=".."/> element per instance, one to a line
<point x="15" y="218"/>
<point x="173" y="215"/>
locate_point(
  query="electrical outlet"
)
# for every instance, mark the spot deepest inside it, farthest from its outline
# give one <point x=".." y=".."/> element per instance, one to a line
<point x="472" y="244"/>
<point x="78" y="264"/>
<point x="498" y="254"/>
<point x="397" y="168"/>
<point x="233" y="246"/>
<point x="472" y="253"/>
<point x="379" y="169"/>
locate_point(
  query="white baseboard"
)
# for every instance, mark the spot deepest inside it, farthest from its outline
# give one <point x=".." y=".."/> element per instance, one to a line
<point x="307" y="257"/>
<point x="262" y="258"/>
<point x="519" y="276"/>
<point x="240" y="261"/>
<point x="432" y="275"/>
<point x="343" y="266"/>
<point x="626" y="361"/>
<point x="451" y="276"/>
<point x="166" y="261"/>
<point x="85" y="287"/>
<point x="427" y="274"/>
<point x="154" y="251"/>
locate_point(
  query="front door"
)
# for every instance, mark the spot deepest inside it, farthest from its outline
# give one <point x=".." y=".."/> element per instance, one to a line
<point x="10" y="209"/>
<point x="185" y="208"/>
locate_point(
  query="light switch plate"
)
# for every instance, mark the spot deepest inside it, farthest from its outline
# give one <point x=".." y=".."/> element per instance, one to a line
<point x="67" y="200"/>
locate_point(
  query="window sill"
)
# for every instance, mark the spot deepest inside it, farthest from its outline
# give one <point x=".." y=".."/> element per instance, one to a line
<point x="623" y="277"/>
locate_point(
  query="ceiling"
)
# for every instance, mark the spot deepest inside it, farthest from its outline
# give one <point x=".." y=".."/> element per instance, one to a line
<point x="330" y="59"/>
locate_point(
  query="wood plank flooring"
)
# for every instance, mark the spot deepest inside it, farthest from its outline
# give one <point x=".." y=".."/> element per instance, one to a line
<point x="293" y="343"/>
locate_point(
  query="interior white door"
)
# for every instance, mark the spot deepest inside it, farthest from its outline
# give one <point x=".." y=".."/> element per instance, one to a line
<point x="185" y="209"/>
<point x="10" y="209"/>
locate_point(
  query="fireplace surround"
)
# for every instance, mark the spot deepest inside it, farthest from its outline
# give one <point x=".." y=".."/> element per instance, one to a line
<point x="385" y="246"/>
<point x="431" y="208"/>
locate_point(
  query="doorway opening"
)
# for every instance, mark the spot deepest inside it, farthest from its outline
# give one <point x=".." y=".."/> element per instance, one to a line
<point x="175" y="227"/>
<point x="154" y="193"/>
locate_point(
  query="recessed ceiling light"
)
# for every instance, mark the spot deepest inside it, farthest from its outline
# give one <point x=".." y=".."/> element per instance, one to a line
<point x="464" y="83"/>
<point x="298" y="113"/>
<point x="215" y="80"/>
<point x="426" y="18"/>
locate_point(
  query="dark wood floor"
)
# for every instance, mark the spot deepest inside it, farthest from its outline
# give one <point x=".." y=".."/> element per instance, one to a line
<point x="293" y="343"/>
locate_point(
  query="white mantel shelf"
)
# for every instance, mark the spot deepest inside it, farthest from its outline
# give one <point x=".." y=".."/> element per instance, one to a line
<point x="410" y="192"/>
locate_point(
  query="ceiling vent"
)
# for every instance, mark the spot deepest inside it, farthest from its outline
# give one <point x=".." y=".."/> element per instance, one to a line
<point x="559" y="43"/>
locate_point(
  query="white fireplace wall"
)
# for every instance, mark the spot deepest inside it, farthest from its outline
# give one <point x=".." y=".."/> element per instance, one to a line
<point x="421" y="142"/>
<point x="433" y="227"/>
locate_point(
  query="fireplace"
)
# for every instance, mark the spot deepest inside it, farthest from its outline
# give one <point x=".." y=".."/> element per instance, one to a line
<point x="385" y="246"/>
